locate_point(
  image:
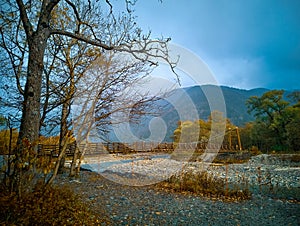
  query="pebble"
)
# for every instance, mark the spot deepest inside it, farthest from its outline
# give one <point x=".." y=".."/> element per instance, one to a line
<point x="259" y="170"/>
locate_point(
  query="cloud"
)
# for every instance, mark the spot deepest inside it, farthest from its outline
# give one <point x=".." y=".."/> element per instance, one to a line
<point x="239" y="72"/>
<point x="246" y="43"/>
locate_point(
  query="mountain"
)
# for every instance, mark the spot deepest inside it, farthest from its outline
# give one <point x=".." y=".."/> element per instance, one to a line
<point x="235" y="100"/>
<point x="180" y="105"/>
<point x="202" y="96"/>
<point x="193" y="103"/>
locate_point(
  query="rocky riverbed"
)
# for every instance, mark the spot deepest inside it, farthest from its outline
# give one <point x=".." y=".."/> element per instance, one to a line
<point x="145" y="205"/>
<point x="262" y="173"/>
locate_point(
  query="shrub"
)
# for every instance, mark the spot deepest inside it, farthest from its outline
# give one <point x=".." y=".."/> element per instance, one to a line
<point x="4" y="140"/>
<point x="50" y="206"/>
<point x="255" y="151"/>
<point x="204" y="184"/>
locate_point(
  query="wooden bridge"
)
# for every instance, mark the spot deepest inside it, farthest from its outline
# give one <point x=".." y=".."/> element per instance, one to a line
<point x="126" y="148"/>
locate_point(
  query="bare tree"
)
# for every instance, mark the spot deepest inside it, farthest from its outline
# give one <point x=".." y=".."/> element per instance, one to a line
<point x="37" y="24"/>
<point x="29" y="26"/>
<point x="108" y="88"/>
<point x="109" y="75"/>
<point x="72" y="60"/>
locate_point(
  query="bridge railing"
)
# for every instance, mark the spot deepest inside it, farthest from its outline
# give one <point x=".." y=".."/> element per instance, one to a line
<point x="127" y="148"/>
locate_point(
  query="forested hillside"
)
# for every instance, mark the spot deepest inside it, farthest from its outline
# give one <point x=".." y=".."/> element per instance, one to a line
<point x="235" y="102"/>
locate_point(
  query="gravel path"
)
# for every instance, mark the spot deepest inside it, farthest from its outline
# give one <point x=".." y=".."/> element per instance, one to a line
<point x="146" y="205"/>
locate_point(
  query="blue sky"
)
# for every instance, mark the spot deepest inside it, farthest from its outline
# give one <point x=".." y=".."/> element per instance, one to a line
<point x="246" y="43"/>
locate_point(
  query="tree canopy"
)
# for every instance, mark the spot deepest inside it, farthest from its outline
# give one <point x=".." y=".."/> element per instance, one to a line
<point x="277" y="120"/>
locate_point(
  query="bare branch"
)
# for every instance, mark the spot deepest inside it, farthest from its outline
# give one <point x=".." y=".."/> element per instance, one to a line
<point x="17" y="69"/>
<point x="25" y="20"/>
<point x="81" y="38"/>
<point x="46" y="12"/>
<point x="128" y="4"/>
<point x="110" y="6"/>
<point x="76" y="14"/>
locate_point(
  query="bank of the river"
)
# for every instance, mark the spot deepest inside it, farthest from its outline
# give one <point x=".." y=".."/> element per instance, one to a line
<point x="262" y="173"/>
<point x="145" y="205"/>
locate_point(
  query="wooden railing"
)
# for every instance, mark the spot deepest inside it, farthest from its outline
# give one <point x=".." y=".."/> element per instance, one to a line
<point x="126" y="148"/>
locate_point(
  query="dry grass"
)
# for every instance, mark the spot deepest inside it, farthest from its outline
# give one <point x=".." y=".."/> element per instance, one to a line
<point x="202" y="183"/>
<point x="51" y="206"/>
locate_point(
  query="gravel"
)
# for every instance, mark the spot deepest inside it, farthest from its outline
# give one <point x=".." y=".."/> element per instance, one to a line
<point x="146" y="205"/>
<point x="262" y="170"/>
<point x="274" y="184"/>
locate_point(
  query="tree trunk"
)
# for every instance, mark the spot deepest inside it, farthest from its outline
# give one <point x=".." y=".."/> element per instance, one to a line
<point x="29" y="128"/>
<point x="74" y="163"/>
<point x="58" y="161"/>
<point x="77" y="170"/>
<point x="63" y="132"/>
<point x="65" y="112"/>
